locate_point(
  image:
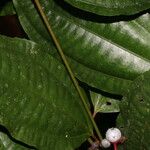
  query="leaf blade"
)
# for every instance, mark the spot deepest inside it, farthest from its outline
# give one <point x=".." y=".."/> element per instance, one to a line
<point x="82" y="39"/>
<point x="135" y="113"/>
<point x="103" y="104"/>
<point x="111" y="8"/>
<point x="37" y="96"/>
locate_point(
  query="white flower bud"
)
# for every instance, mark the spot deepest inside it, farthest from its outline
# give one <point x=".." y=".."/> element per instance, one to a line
<point x="105" y="143"/>
<point x="113" y="135"/>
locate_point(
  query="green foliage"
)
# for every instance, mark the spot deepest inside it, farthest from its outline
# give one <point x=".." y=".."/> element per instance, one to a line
<point x="135" y="113"/>
<point x="99" y="49"/>
<point x="104" y="104"/>
<point x="111" y="7"/>
<point x="38" y="102"/>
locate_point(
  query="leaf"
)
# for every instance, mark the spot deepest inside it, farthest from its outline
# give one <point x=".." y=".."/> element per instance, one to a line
<point x="102" y="81"/>
<point x="7" y="144"/>
<point x="135" y="114"/>
<point x="111" y="8"/>
<point x="7" y="9"/>
<point x="104" y="104"/>
<point x="98" y="47"/>
<point x="37" y="98"/>
<point x="98" y="79"/>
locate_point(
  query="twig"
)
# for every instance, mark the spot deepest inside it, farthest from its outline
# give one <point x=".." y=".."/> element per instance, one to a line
<point x="75" y="82"/>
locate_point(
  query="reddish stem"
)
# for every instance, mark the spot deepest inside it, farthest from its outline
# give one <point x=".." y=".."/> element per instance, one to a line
<point x="115" y="146"/>
<point x="94" y="114"/>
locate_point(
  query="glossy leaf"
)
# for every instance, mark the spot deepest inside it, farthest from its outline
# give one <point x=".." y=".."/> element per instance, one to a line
<point x="135" y="114"/>
<point x="111" y="8"/>
<point x="7" y="9"/>
<point x="98" y="79"/>
<point x="103" y="45"/>
<point x="38" y="98"/>
<point x="104" y="104"/>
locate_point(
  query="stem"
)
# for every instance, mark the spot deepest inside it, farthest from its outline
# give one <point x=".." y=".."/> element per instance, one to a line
<point x="60" y="51"/>
<point x="94" y="114"/>
<point x="115" y="146"/>
<point x="94" y="145"/>
<point x="90" y="141"/>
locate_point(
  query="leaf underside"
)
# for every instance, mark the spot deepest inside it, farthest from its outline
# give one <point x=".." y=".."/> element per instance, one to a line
<point x="104" y="58"/>
<point x="135" y="114"/>
<point x="37" y="98"/>
<point x="104" y="104"/>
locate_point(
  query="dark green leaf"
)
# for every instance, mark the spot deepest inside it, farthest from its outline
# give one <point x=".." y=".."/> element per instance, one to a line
<point x="98" y="79"/>
<point x="38" y="103"/>
<point x="97" y="47"/>
<point x="104" y="104"/>
<point x="111" y="8"/>
<point x="135" y="114"/>
<point x="7" y="9"/>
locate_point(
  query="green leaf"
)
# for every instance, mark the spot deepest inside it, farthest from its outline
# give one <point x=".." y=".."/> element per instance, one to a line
<point x="135" y="114"/>
<point x="104" y="104"/>
<point x="101" y="80"/>
<point x="7" y="144"/>
<point x="7" y="9"/>
<point x="98" y="79"/>
<point x="99" y="47"/>
<point x="111" y="8"/>
<point x="37" y="98"/>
